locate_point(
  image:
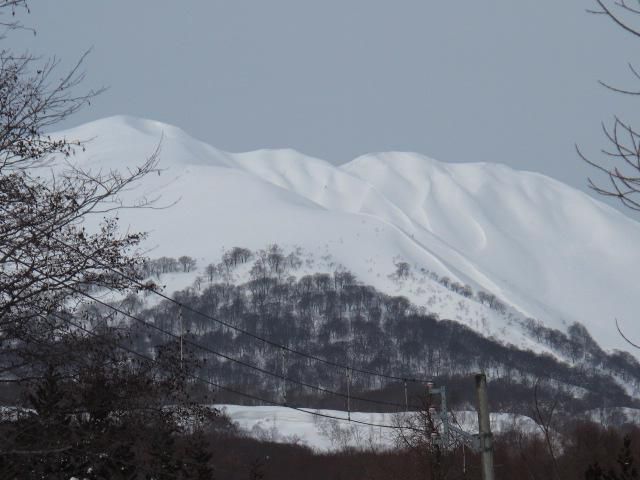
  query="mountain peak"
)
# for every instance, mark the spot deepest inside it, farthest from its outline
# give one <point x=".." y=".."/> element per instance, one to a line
<point x="542" y="247"/>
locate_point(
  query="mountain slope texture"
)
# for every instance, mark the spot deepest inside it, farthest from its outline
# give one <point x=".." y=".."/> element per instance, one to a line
<point x="546" y="250"/>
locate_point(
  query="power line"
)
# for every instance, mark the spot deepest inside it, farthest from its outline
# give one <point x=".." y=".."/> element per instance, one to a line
<point x="233" y="327"/>
<point x="209" y="350"/>
<point x="232" y="390"/>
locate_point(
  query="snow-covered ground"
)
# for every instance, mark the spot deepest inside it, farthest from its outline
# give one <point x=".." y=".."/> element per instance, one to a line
<point x="284" y="425"/>
<point x="547" y="250"/>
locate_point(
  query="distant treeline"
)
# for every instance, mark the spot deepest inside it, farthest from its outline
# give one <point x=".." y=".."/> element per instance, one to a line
<point x="334" y="316"/>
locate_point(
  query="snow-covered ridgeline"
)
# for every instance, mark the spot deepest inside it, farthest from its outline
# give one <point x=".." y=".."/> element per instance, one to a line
<point x="546" y="249"/>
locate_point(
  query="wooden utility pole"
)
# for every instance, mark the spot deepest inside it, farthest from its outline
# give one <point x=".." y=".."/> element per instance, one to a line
<point x="485" y="435"/>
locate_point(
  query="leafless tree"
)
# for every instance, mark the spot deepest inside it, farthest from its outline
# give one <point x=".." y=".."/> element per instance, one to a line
<point x="47" y="255"/>
<point x="87" y="402"/>
<point x="620" y="162"/>
<point x="418" y="432"/>
<point x="544" y="415"/>
<point x="621" y="159"/>
<point x="187" y="263"/>
<point x="8" y="11"/>
<point x="212" y="271"/>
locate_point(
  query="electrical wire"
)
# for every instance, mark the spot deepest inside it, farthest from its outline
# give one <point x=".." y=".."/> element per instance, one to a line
<point x="207" y="349"/>
<point x="229" y="389"/>
<point x="233" y="327"/>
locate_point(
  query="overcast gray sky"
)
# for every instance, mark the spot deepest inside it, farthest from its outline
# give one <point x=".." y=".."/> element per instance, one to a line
<point x="499" y="80"/>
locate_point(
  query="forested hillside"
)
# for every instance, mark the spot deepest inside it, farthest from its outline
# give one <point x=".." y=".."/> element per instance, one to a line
<point x="337" y="318"/>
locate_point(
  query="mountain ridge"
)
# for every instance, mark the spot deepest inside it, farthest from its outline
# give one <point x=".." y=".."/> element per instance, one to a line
<point x="542" y="247"/>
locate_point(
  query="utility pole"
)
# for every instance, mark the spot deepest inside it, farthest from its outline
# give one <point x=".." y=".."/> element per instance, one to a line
<point x="482" y="442"/>
<point x="444" y="413"/>
<point x="485" y="435"/>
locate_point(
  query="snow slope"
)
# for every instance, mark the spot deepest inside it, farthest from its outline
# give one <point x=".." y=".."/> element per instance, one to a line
<point x="549" y="251"/>
<point x="284" y="425"/>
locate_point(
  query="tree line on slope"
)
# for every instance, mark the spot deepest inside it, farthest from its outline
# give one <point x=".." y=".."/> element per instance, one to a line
<point x="334" y="316"/>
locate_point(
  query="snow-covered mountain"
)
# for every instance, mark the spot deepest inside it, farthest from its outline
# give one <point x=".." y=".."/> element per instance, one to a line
<point x="545" y="249"/>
